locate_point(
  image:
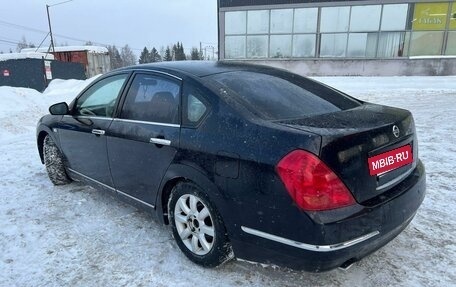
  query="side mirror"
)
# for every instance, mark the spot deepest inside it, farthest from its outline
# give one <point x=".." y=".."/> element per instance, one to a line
<point x="59" y="109"/>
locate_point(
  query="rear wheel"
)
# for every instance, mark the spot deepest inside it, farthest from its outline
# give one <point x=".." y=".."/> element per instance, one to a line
<point x="197" y="226"/>
<point x="53" y="160"/>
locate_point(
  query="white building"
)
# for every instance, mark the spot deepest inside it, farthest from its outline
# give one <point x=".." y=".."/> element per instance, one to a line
<point x="327" y="37"/>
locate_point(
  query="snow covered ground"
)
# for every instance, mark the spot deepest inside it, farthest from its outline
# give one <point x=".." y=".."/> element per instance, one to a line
<point x="77" y="236"/>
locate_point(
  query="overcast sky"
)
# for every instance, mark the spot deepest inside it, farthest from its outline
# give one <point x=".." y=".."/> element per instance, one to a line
<point x="137" y="23"/>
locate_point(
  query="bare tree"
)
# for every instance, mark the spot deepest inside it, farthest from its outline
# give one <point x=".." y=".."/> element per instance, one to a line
<point x="23" y="44"/>
<point x="127" y="56"/>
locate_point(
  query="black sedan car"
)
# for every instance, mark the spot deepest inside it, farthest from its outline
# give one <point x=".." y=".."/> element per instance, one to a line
<point x="242" y="160"/>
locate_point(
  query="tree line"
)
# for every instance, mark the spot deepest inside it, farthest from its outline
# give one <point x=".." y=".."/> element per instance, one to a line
<point x="174" y="53"/>
<point x="126" y="57"/>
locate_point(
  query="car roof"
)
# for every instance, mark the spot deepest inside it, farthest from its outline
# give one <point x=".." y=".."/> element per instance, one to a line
<point x="202" y="68"/>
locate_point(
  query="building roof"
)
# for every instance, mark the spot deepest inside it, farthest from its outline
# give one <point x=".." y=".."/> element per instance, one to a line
<point x="239" y="3"/>
<point x="89" y="49"/>
<point x="28" y="55"/>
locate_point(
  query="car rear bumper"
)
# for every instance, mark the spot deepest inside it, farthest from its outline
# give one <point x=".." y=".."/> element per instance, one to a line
<point x="380" y="224"/>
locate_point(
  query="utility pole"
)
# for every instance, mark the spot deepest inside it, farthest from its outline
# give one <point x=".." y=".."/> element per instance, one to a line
<point x="50" y="29"/>
<point x="49" y="21"/>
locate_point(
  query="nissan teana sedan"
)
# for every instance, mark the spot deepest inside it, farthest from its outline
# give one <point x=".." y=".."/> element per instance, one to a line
<point x="242" y="161"/>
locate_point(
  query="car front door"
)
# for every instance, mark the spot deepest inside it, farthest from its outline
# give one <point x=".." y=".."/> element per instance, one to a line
<point x="144" y="138"/>
<point x="83" y="133"/>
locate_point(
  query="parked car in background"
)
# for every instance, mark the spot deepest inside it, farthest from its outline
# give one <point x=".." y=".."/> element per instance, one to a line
<point x="242" y="160"/>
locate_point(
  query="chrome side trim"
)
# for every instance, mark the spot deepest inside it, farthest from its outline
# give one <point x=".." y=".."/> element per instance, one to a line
<point x="157" y="72"/>
<point x="91" y="179"/>
<point x="395" y="180"/>
<point x="89" y="117"/>
<point x="147" y="123"/>
<point x="310" y="247"/>
<point x="111" y="188"/>
<point x="135" y="199"/>
<point x="160" y="141"/>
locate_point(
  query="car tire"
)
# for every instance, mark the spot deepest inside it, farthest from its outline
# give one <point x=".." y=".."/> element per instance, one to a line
<point x="197" y="226"/>
<point x="53" y="160"/>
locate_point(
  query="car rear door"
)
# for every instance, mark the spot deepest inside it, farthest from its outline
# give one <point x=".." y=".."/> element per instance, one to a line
<point x="83" y="133"/>
<point x="144" y="138"/>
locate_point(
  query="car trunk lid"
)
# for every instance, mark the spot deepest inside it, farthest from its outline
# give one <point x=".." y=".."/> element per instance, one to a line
<point x="351" y="137"/>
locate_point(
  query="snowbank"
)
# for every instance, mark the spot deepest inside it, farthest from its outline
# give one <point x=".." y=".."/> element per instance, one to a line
<point x="66" y="89"/>
<point x="20" y="108"/>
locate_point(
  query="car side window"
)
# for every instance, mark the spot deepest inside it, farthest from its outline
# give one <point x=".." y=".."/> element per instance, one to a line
<point x="152" y="98"/>
<point x="195" y="109"/>
<point x="100" y="99"/>
<point x="195" y="105"/>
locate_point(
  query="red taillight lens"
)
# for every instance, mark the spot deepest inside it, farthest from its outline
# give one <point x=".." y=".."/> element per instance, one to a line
<point x="311" y="184"/>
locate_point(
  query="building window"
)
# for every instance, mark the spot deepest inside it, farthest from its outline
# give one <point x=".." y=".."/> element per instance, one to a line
<point x="334" y="19"/>
<point x="362" y="45"/>
<point x="333" y="45"/>
<point x="235" y="47"/>
<point x="451" y="44"/>
<point x="258" y="22"/>
<point x="452" y="25"/>
<point x="235" y="22"/>
<point x="391" y="45"/>
<point x="361" y="31"/>
<point x="365" y="18"/>
<point x="281" y="21"/>
<point x="305" y="20"/>
<point x="430" y="16"/>
<point x="304" y="45"/>
<point x="257" y="46"/>
<point x="394" y="17"/>
<point x="426" y="43"/>
<point x="280" y="46"/>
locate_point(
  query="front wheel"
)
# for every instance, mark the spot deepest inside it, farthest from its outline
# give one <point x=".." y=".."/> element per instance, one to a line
<point x="53" y="160"/>
<point x="197" y="226"/>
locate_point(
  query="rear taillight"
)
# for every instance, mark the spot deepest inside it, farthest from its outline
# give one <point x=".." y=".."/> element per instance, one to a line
<point x="311" y="184"/>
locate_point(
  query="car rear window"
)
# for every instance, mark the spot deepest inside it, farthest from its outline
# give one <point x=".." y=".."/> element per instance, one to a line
<point x="287" y="96"/>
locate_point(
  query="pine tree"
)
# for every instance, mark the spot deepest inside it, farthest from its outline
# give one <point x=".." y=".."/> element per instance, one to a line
<point x="178" y="51"/>
<point x="182" y="55"/>
<point x="195" y="54"/>
<point x="174" y="54"/>
<point x="168" y="56"/>
<point x="145" y="56"/>
<point x="127" y="56"/>
<point x="154" y="56"/>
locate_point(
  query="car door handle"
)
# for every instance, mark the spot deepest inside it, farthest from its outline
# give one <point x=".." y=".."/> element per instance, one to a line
<point x="98" y="132"/>
<point x="159" y="141"/>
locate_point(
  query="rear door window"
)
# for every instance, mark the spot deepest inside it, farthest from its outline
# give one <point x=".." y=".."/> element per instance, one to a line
<point x="287" y="97"/>
<point x="152" y="98"/>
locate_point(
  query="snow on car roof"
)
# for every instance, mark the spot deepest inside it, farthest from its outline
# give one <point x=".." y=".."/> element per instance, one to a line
<point x="90" y="49"/>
